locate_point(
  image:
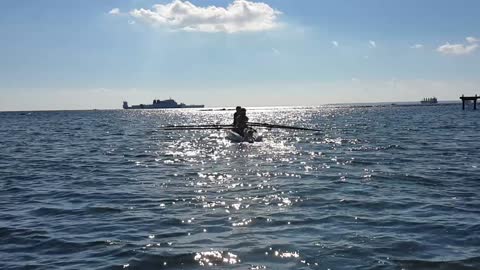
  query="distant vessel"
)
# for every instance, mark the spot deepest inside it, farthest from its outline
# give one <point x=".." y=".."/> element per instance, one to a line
<point x="429" y="101"/>
<point x="161" y="104"/>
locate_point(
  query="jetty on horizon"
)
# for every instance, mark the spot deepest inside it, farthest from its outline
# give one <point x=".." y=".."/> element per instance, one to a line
<point x="469" y="98"/>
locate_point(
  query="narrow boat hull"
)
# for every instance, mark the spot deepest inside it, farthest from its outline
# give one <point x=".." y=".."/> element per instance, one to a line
<point x="237" y="138"/>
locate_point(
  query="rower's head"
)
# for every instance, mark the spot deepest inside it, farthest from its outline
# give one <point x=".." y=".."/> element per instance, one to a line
<point x="238" y="108"/>
<point x="243" y="111"/>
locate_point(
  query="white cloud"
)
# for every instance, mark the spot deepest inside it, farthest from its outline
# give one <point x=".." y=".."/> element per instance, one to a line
<point x="335" y="43"/>
<point x="239" y="16"/>
<point x="115" y="11"/>
<point x="416" y="46"/>
<point x="131" y="22"/>
<point x="372" y="44"/>
<point x="457" y="49"/>
<point x="472" y="40"/>
<point x="275" y="51"/>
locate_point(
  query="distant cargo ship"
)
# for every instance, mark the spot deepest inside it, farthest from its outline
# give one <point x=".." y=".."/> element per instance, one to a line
<point x="161" y="104"/>
<point x="429" y="101"/>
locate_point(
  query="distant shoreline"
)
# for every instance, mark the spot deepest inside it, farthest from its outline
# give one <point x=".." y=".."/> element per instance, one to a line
<point x="231" y="108"/>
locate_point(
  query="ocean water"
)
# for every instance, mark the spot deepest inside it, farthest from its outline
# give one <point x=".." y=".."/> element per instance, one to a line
<point x="378" y="188"/>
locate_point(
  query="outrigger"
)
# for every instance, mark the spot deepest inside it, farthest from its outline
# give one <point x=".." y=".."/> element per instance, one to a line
<point x="250" y="134"/>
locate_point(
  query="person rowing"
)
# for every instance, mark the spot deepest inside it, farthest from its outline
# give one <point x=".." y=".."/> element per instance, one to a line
<point x="236" y="114"/>
<point x="241" y="122"/>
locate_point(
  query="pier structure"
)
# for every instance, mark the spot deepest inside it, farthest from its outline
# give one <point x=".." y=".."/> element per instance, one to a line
<point x="472" y="98"/>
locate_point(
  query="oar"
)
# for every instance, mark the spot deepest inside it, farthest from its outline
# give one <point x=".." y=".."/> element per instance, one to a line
<point x="197" y="126"/>
<point x="282" y="126"/>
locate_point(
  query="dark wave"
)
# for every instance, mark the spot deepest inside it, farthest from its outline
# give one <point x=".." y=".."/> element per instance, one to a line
<point x="465" y="264"/>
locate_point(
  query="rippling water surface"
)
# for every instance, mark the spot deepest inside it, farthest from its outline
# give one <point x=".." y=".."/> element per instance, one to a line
<point x="379" y="188"/>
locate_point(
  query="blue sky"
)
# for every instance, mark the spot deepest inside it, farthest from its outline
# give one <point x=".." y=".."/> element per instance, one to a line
<point x="58" y="54"/>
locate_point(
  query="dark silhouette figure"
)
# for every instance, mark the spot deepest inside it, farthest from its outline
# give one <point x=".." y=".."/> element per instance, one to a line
<point x="241" y="122"/>
<point x="236" y="114"/>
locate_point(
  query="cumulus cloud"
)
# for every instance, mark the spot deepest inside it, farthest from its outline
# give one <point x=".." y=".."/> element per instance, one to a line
<point x="239" y="16"/>
<point x="114" y="11"/>
<point x="372" y="44"/>
<point x="416" y="46"/>
<point x="457" y="49"/>
<point x="335" y="43"/>
<point x="472" y="40"/>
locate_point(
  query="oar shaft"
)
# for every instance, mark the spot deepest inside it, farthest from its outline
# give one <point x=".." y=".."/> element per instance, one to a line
<point x="281" y="126"/>
<point x="197" y="126"/>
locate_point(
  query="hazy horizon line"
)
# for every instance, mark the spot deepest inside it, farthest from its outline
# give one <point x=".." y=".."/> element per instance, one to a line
<point x="409" y="103"/>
